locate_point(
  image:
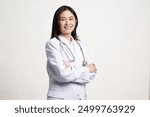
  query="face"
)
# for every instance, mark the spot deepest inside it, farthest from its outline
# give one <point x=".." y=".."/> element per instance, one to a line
<point x="67" y="22"/>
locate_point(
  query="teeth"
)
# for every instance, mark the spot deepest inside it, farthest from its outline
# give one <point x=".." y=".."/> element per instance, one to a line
<point x="68" y="27"/>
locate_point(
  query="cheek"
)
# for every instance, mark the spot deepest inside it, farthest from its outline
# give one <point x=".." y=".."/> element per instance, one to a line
<point x="61" y="27"/>
<point x="61" y="24"/>
<point x="74" y="23"/>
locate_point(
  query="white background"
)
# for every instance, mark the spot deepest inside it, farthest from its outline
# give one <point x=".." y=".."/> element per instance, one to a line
<point x="116" y="31"/>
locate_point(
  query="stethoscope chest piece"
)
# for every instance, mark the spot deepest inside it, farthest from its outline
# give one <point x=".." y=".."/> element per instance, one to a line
<point x="84" y="63"/>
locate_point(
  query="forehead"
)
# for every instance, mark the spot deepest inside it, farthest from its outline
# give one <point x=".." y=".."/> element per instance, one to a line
<point x="66" y="13"/>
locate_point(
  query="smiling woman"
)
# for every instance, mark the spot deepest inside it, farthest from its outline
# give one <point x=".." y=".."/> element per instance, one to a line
<point x="67" y="23"/>
<point x="65" y="17"/>
<point x="117" y="32"/>
<point x="68" y="62"/>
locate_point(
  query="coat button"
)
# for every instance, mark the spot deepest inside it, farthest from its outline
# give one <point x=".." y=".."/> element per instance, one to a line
<point x="79" y="98"/>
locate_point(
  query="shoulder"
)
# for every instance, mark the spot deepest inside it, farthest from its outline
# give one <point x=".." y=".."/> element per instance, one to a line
<point x="84" y="47"/>
<point x="54" y="42"/>
<point x="82" y="44"/>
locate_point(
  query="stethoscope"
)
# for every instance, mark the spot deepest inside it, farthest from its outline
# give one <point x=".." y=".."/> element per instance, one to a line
<point x="84" y="63"/>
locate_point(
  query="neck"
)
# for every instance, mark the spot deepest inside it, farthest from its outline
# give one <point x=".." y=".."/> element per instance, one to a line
<point x="68" y="37"/>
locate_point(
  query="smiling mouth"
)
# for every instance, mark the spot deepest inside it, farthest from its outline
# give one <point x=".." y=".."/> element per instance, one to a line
<point x="68" y="27"/>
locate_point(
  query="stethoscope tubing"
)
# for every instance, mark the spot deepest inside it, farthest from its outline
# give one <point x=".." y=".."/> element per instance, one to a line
<point x="71" y="60"/>
<point x="84" y="62"/>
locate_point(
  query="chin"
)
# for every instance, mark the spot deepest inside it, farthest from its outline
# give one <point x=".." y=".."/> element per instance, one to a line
<point x="67" y="32"/>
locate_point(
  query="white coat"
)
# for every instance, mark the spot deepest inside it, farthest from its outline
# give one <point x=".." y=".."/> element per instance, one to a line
<point x="67" y="83"/>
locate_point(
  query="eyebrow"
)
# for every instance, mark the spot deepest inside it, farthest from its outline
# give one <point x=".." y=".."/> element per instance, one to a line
<point x="69" y="17"/>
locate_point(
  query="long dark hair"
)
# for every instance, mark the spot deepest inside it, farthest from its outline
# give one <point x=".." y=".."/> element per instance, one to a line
<point x="56" y="26"/>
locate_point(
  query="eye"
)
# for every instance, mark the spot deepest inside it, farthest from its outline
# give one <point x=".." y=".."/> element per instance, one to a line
<point x="71" y="18"/>
<point x="62" y="19"/>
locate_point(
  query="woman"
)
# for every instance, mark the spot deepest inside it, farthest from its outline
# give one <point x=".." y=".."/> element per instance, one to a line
<point x="68" y="62"/>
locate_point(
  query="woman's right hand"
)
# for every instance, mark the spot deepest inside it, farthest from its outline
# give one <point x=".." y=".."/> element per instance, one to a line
<point x="92" y="67"/>
<point x="66" y="65"/>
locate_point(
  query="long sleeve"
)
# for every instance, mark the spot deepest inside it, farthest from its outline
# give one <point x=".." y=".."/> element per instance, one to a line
<point x="56" y="66"/>
<point x="87" y="75"/>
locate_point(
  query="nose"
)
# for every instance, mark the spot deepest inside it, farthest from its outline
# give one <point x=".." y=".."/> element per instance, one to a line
<point x="67" y="21"/>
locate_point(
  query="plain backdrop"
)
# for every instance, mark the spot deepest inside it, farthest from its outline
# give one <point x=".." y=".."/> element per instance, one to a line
<point x="117" y="33"/>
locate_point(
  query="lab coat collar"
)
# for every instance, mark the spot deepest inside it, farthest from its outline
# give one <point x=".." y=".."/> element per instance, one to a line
<point x="64" y="40"/>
